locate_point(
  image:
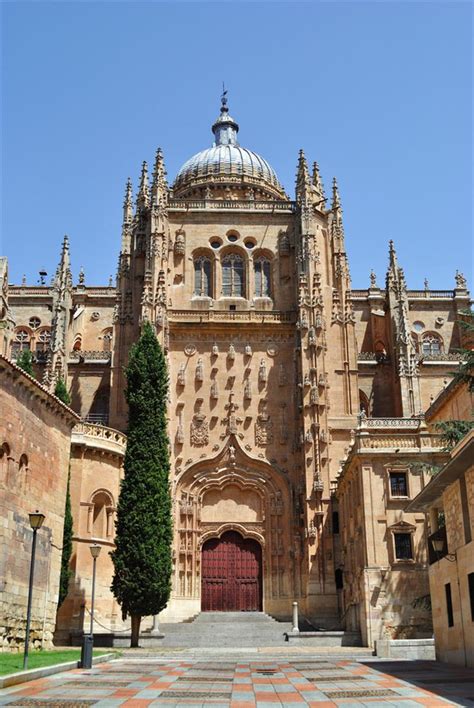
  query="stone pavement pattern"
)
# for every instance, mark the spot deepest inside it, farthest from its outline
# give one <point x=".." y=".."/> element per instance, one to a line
<point x="264" y="683"/>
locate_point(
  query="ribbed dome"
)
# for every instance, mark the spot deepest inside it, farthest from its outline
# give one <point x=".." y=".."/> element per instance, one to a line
<point x="227" y="163"/>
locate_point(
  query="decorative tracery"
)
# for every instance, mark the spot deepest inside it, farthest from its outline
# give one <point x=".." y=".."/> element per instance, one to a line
<point x="233" y="276"/>
<point x="262" y="271"/>
<point x="21" y="342"/>
<point x="202" y="277"/>
<point x="431" y="344"/>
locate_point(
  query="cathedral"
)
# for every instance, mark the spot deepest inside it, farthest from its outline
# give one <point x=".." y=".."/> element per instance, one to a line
<point x="278" y="367"/>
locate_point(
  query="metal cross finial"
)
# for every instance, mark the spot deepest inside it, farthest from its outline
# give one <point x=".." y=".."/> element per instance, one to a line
<point x="224" y="96"/>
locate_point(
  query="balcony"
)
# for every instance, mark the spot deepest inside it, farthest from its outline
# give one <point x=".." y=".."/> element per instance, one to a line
<point x="99" y="437"/>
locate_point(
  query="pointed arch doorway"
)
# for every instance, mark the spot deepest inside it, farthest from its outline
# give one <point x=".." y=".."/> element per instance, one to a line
<point x="231" y="570"/>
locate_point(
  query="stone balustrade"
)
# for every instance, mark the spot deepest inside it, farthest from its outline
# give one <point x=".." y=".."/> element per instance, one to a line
<point x="99" y="437"/>
<point x="89" y="356"/>
<point x="230" y="204"/>
<point x="257" y="316"/>
<point x="394" y="434"/>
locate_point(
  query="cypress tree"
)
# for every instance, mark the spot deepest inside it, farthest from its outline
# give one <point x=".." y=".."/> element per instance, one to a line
<point x="142" y="555"/>
<point x="67" y="547"/>
<point x="25" y="361"/>
<point x="61" y="392"/>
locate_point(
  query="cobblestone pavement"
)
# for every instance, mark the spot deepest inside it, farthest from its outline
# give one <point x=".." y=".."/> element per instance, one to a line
<point x="318" y="681"/>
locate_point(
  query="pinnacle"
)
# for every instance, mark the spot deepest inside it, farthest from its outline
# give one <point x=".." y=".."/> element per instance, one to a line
<point x="336" y="199"/>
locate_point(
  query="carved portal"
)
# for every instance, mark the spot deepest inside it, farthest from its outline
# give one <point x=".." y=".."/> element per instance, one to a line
<point x="232" y="492"/>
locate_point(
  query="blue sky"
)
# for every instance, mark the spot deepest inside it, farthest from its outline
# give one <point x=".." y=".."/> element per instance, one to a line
<point x="379" y="93"/>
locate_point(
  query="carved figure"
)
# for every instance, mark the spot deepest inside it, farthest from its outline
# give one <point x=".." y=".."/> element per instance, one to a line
<point x="263" y="430"/>
<point x="262" y="371"/>
<point x="215" y="350"/>
<point x="199" y="370"/>
<point x="180" y="244"/>
<point x="284" y="244"/>
<point x="248" y="350"/>
<point x="231" y="353"/>
<point x="214" y="391"/>
<point x="182" y="375"/>
<point x="461" y="282"/>
<point x="248" y="390"/>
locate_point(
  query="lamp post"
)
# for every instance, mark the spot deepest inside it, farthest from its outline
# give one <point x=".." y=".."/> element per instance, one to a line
<point x="36" y="522"/>
<point x="88" y="641"/>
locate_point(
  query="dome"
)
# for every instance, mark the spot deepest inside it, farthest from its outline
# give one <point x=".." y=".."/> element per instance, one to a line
<point x="227" y="164"/>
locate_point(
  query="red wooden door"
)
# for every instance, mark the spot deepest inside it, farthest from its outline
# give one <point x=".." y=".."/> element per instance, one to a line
<point x="231" y="574"/>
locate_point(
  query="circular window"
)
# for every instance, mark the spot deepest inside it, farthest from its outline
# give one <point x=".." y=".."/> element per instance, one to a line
<point x="216" y="244"/>
<point x="34" y="322"/>
<point x="418" y="326"/>
<point x="249" y="244"/>
<point x="232" y="238"/>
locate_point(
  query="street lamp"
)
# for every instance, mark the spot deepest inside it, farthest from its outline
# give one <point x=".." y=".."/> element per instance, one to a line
<point x="88" y="641"/>
<point x="36" y="522"/>
<point x="438" y="545"/>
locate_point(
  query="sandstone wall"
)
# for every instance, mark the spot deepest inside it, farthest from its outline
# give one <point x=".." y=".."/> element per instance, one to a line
<point x="35" y="431"/>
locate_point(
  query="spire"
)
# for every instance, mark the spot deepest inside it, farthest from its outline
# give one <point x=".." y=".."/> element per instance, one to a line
<point x="63" y="277"/>
<point x="303" y="180"/>
<point x="159" y="176"/>
<point x="128" y="203"/>
<point x="127" y="217"/>
<point x="395" y="275"/>
<point x="392" y="257"/>
<point x="318" y="186"/>
<point x="336" y="199"/>
<point x="225" y="128"/>
<point x="56" y="365"/>
<point x="143" y="196"/>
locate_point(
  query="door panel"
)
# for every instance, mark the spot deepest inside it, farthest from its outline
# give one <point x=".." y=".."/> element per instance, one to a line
<point x="231" y="574"/>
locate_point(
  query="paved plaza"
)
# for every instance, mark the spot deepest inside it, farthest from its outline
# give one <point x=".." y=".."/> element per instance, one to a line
<point x="304" y="679"/>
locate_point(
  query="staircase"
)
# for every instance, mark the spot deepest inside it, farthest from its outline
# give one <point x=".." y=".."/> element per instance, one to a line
<point x="226" y="629"/>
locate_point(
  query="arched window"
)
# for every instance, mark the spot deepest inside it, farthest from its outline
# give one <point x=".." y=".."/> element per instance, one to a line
<point x="4" y="456"/>
<point x="233" y="274"/>
<point x="21" y="342"/>
<point x="107" y="340"/>
<point x="23" y="463"/>
<point x="431" y="344"/>
<point x="77" y="346"/>
<point x="102" y="515"/>
<point x="202" y="277"/>
<point x="262" y="272"/>
<point x="363" y="402"/>
<point x="42" y="340"/>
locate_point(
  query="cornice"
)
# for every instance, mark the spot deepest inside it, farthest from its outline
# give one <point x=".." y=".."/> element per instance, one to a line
<point x="49" y="400"/>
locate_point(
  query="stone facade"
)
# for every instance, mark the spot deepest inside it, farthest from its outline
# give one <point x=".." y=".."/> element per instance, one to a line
<point x="449" y="502"/>
<point x="381" y="549"/>
<point x="35" y="429"/>
<point x="271" y="354"/>
<point x="96" y="469"/>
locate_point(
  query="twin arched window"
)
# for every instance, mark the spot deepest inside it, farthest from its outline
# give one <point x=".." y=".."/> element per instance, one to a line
<point x="431" y="344"/>
<point x="233" y="277"/>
